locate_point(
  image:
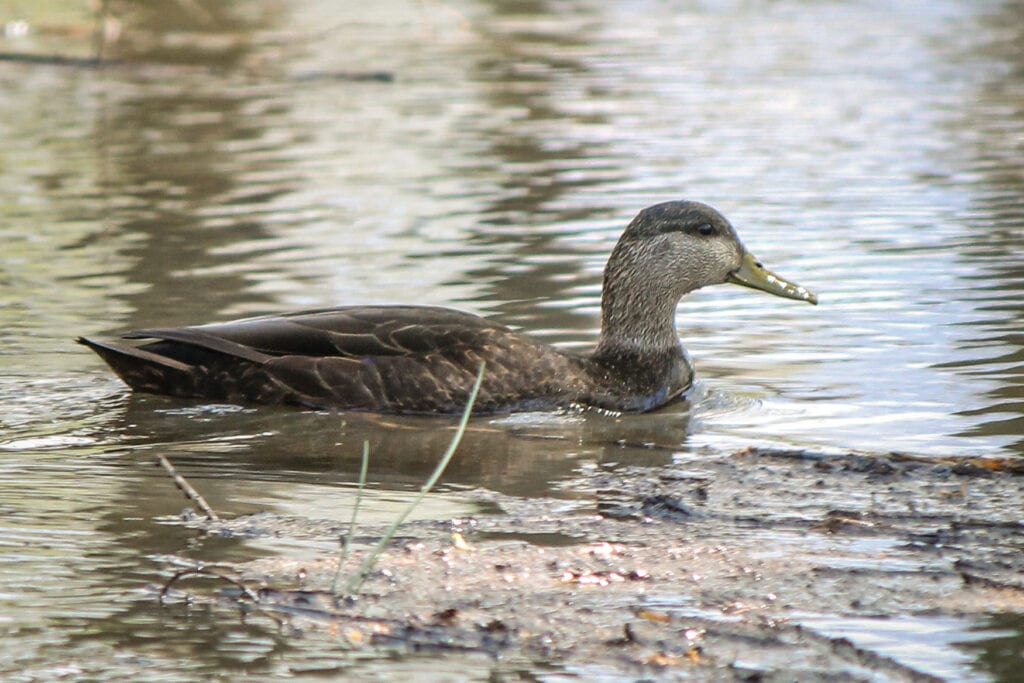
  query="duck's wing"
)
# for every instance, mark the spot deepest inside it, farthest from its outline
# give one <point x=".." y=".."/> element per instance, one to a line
<point x="348" y="332"/>
<point x="411" y="359"/>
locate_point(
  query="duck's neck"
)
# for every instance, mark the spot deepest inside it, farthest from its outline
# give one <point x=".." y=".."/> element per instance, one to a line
<point x="637" y="320"/>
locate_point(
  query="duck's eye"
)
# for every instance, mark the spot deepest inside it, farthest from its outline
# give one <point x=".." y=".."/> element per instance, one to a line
<point x="706" y="229"/>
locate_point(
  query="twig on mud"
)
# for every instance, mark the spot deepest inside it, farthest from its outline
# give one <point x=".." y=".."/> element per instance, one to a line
<point x="187" y="489"/>
<point x="357" y="579"/>
<point x="206" y="571"/>
<point x="355" y="511"/>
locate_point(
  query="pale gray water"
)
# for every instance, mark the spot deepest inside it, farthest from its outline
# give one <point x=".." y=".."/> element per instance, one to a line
<point x="872" y="153"/>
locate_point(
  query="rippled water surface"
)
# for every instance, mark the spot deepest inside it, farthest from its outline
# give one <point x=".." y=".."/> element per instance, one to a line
<point x="246" y="158"/>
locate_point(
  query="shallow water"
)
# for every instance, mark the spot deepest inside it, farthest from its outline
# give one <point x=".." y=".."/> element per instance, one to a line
<point x="231" y="166"/>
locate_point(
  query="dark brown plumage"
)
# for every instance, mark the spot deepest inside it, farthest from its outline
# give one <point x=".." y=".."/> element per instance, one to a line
<point x="423" y="360"/>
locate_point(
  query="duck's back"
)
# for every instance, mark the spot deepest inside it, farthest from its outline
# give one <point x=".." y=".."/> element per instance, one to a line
<point x="401" y="359"/>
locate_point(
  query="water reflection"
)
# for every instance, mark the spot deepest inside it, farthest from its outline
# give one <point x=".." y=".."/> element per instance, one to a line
<point x="998" y="646"/>
<point x="992" y="128"/>
<point x="218" y="35"/>
<point x="166" y="151"/>
<point x="522" y="455"/>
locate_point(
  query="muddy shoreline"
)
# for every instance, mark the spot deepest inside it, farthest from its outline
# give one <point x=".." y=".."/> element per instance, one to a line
<point x="755" y="565"/>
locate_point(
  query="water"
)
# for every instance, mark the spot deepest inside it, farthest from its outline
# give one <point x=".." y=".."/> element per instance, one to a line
<point x="872" y="153"/>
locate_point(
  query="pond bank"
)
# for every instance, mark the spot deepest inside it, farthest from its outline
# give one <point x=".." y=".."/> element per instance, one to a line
<point x="757" y="565"/>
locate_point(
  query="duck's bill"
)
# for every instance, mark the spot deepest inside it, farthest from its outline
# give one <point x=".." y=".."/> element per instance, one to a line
<point x="752" y="274"/>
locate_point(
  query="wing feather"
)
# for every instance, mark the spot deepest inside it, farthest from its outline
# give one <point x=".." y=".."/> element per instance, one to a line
<point x="348" y="332"/>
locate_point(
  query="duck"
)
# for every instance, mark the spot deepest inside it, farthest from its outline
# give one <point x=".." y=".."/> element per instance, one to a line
<point x="424" y="360"/>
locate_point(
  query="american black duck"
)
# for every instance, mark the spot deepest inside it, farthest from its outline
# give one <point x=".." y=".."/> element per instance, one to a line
<point x="423" y="359"/>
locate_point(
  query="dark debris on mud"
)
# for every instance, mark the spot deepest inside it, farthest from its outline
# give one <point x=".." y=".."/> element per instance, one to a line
<point x="713" y="569"/>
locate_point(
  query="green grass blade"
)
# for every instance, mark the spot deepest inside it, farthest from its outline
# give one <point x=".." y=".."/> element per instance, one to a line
<point x="355" y="511"/>
<point x="364" y="570"/>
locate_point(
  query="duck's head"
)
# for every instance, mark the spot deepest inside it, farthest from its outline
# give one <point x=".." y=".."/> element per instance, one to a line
<point x="677" y="247"/>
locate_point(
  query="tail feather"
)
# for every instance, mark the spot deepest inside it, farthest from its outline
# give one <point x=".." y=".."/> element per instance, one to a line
<point x="143" y="370"/>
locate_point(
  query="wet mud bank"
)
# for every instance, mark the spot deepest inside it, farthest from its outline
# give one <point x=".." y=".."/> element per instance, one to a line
<point x="756" y="565"/>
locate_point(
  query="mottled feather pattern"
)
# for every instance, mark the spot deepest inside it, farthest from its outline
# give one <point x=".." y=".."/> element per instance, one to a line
<point x="383" y="358"/>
